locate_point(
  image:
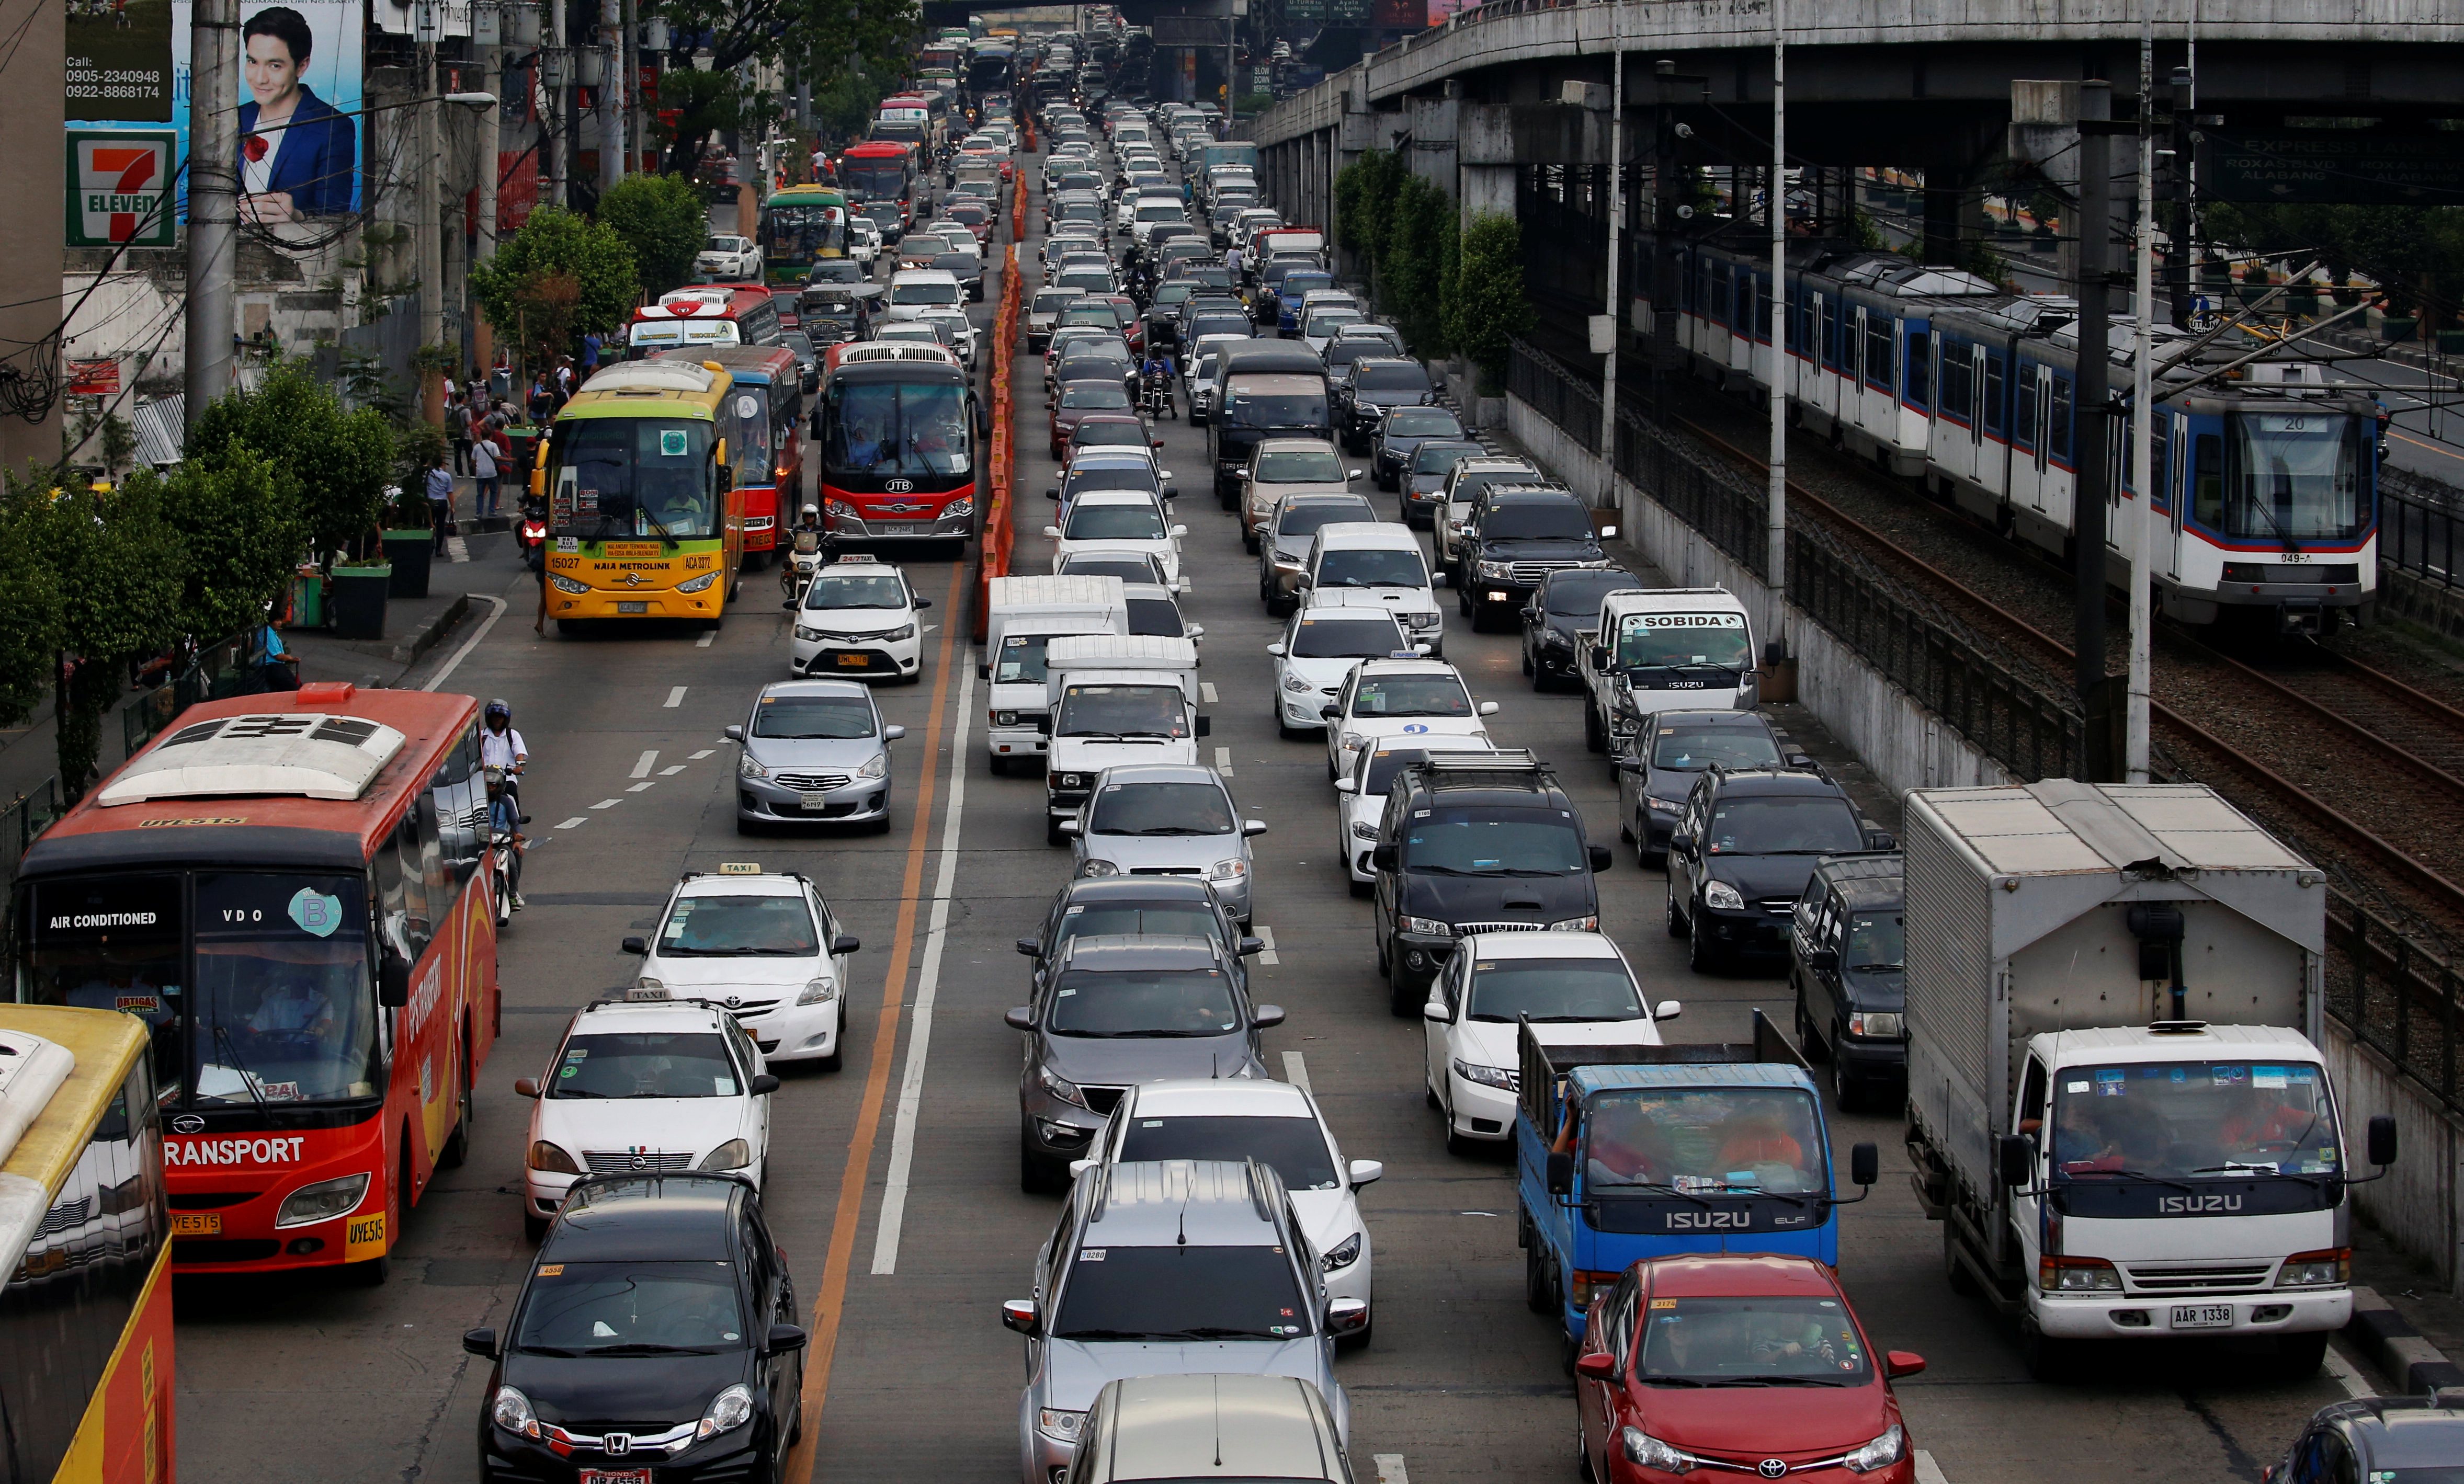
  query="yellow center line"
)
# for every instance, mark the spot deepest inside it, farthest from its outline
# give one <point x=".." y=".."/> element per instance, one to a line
<point x="2418" y="444"/>
<point x="832" y="1301"/>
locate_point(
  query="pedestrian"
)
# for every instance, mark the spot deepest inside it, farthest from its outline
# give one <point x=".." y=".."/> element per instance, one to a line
<point x="542" y="403"/>
<point x="590" y="347"/>
<point x="440" y="500"/>
<point x="563" y="380"/>
<point x="483" y="466"/>
<point x="458" y="419"/>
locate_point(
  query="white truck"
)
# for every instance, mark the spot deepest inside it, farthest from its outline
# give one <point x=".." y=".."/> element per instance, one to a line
<point x="2117" y="1107"/>
<point x="1114" y="700"/>
<point x="1025" y="613"/>
<point x="1664" y="648"/>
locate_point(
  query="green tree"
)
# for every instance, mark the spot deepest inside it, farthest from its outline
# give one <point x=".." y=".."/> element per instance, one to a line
<point x="662" y="220"/>
<point x="332" y="465"/>
<point x="817" y="39"/>
<point x="29" y="640"/>
<point x="120" y="570"/>
<point x="558" y="244"/>
<point x="240" y="529"/>
<point x="1487" y="307"/>
<point x="2415" y="254"/>
<point x="1411" y="281"/>
<point x="1364" y="202"/>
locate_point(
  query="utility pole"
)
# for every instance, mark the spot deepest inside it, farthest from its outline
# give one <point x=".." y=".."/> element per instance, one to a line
<point x="556" y="74"/>
<point x="2142" y="420"/>
<point x="610" y="41"/>
<point x="1607" y="340"/>
<point x="2090" y="409"/>
<point x="2182" y="249"/>
<point x="1775" y="502"/>
<point x="428" y="181"/>
<point x="213" y="203"/>
<point x="487" y="39"/>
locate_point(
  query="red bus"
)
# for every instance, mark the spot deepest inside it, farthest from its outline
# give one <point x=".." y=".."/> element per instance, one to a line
<point x="763" y="421"/>
<point x="880" y="171"/>
<point x="287" y="890"/>
<point x="704" y="315"/>
<point x="897" y="427"/>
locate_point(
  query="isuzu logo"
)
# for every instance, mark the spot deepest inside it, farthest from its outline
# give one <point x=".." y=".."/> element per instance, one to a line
<point x="899" y="486"/>
<point x="2196" y="1204"/>
<point x="1709" y="1220"/>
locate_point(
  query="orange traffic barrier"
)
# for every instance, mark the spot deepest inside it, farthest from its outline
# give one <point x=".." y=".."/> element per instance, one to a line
<point x="994" y="553"/>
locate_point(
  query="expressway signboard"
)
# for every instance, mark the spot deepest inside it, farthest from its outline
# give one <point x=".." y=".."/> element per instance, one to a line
<point x="2343" y="166"/>
<point x="1188" y="31"/>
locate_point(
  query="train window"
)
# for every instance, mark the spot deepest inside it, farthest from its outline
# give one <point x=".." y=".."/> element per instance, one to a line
<point x="2057" y="425"/>
<point x="1763" y="305"/>
<point x="2159" y="463"/>
<point x="1920" y="369"/>
<point x="1994" y="391"/>
<point x="1959" y="381"/>
<point x="1877" y="351"/>
<point x="2207" y="480"/>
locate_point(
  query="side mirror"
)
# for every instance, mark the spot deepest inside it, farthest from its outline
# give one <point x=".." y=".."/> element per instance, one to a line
<point x="784" y="1340"/>
<point x="1882" y="839"/>
<point x="1680" y="844"/>
<point x="1051" y="495"/>
<point x="1365" y="1172"/>
<point x="1902" y="1362"/>
<point x="1071" y="827"/>
<point x="1329" y="712"/>
<point x="1019" y="1314"/>
<point x="1205" y="726"/>
<point x="892" y="733"/>
<point x="1195" y="633"/>
<point x="1353" y="474"/>
<point x="733" y="733"/>
<point x="1021" y="1018"/>
<point x="1798" y="760"/>
<point x="1436" y="1010"/>
<point x="1634" y="765"/>
<point x="1265" y="1017"/>
<point x="525" y="1086"/>
<point x="1177" y="531"/>
<point x="1597" y="1366"/>
<point x="845" y="943"/>
<point x="1600" y="656"/>
<point x="481" y="1343"/>
<point x="1251" y="828"/>
<point x="2382" y="1139"/>
<point x="1347" y="1316"/>
<point x="765" y="1084"/>
<point x="393" y="982"/>
<point x="634" y="945"/>
<point x="1053" y="532"/>
<point x="1437" y="580"/>
<point x="1667" y="1010"/>
<point x="1276" y="650"/>
<point x="1382" y="857"/>
<point x="1079" y="1166"/>
<point x="789" y="605"/>
<point x="1826" y="960"/>
<point x="1032" y="948"/>
<point x="1251" y="944"/>
<point x="1172" y="492"/>
<point x="2015" y="1159"/>
<point x="1345" y="785"/>
<point x="1864" y="1165"/>
<point x="1485" y="708"/>
<point x="1561" y="1172"/>
<point x="923" y="603"/>
<point x="1600" y="858"/>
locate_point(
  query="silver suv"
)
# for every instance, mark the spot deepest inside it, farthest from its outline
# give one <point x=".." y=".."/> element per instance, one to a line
<point x="1171" y="1267"/>
<point x="1470" y="477"/>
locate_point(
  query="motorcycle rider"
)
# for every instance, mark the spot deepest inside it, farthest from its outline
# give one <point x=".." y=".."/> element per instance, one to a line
<point x="1155" y="380"/>
<point x="505" y="822"/>
<point x="501" y="746"/>
<point x="806" y="540"/>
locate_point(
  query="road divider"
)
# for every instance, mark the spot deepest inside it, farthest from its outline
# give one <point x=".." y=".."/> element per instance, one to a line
<point x="993" y="553"/>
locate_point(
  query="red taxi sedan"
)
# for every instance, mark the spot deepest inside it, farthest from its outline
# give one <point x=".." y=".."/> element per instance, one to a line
<point x="1724" y="1366"/>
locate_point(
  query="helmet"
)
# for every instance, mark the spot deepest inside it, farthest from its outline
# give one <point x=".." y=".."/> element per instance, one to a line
<point x="495" y="777"/>
<point x="495" y="708"/>
<point x="812" y="509"/>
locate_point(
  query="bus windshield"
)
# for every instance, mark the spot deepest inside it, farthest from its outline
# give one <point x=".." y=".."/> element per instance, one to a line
<point x="632" y="477"/>
<point x="799" y="234"/>
<point x="892" y="428"/>
<point x="877" y="179"/>
<point x="748" y="437"/>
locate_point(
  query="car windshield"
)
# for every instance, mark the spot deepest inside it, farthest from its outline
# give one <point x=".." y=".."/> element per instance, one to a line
<point x="1127" y="567"/>
<point x="899" y="428"/>
<point x="1217" y="325"/>
<point x="1050" y="301"/>
<point x="1371" y="636"/>
<point x="1803" y="825"/>
<point x="1388" y="376"/>
<point x="1704" y="1141"/>
<point x="765" y="926"/>
<point x="929" y="291"/>
<point x="2194" y="1118"/>
<point x="1161" y="809"/>
<point x="1109" y="476"/>
<point x="1114" y="523"/>
<point x="1294" y="466"/>
<point x="1158" y="618"/>
<point x="1098" y="396"/>
<point x="1303" y="517"/>
<point x="1296" y="284"/>
<point x="1779" y="1340"/>
<point x="1099" y="919"/>
<point x="1143" y="1002"/>
<point x="643" y="1064"/>
<point x="1294" y="1147"/>
<point x="1181" y="1293"/>
<point x="1553" y="989"/>
<point x="1276" y="409"/>
<point x="631" y="1308"/>
<point x="813" y="718"/>
<point x="835" y="591"/>
<point x="1683" y="749"/>
<point x="1494" y="842"/>
<point x="1322" y="323"/>
<point x="1380" y="765"/>
<point x="1022" y="659"/>
<point x="724" y="245"/>
<point x="1876" y="944"/>
<point x="1371" y="568"/>
<point x="1426" y="694"/>
<point x="1098" y="314"/>
<point x="632" y="476"/>
<point x="1537" y="521"/>
<point x="1122" y="711"/>
<point x="836" y="270"/>
<point x="1676" y="641"/>
<point x="1438" y="455"/>
<point x="961" y="264"/>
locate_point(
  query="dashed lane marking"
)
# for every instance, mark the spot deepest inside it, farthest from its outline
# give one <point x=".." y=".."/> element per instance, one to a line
<point x="1224" y="761"/>
<point x="645" y="783"/>
<point x="576" y="822"/>
<point x="703" y="642"/>
<point x="1206" y="691"/>
<point x="642" y="766"/>
<point x="1296" y="1072"/>
<point x="2356" y="1385"/>
<point x="704" y="752"/>
<point x="1266" y="935"/>
<point x="1389" y="1468"/>
<point x="1929" y="1472"/>
<point x="676" y="695"/>
<point x="672" y="769"/>
<point x="607" y="803"/>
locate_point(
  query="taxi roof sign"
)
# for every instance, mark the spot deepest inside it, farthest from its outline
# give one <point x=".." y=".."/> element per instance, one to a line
<point x="739" y="868"/>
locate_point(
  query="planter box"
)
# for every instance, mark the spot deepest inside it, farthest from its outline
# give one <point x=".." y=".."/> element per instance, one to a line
<point x="2451" y="342"/>
<point x="2396" y="331"/>
<point x="410" y="551"/>
<point x="359" y="598"/>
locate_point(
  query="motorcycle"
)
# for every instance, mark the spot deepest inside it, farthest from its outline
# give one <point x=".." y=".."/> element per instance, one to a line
<point x="1154" y="395"/>
<point x="504" y="848"/>
<point x="805" y="559"/>
<point x="530" y="537"/>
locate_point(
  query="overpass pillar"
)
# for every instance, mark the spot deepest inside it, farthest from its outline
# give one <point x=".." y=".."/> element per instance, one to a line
<point x="1955" y="216"/>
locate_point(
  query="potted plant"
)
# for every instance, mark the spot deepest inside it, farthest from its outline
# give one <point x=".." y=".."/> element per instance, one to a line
<point x="2345" y="295"/>
<point x="356" y="591"/>
<point x="2398" y="324"/>
<point x="409" y="542"/>
<point x="2302" y="298"/>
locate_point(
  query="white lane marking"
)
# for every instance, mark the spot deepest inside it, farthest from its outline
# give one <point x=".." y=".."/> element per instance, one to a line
<point x="644" y="784"/>
<point x="928" y="984"/>
<point x="2355" y="1384"/>
<point x="672" y="769"/>
<point x="642" y="765"/>
<point x="1929" y="1472"/>
<point x="704" y="752"/>
<point x="707" y="635"/>
<point x="444" y="671"/>
<point x="675" y="695"/>
<point x="1389" y="1468"/>
<point x="1296" y="1072"/>
<point x="1266" y="935"/>
<point x="607" y="803"/>
<point x="456" y="550"/>
<point x="1206" y="691"/>
<point x="1224" y="761"/>
<point x="576" y="822"/>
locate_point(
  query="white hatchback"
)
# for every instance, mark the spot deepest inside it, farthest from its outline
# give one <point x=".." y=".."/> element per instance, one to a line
<point x="1118" y="520"/>
<point x="1320" y="645"/>
<point x="858" y="618"/>
<point x="648" y="1084"/>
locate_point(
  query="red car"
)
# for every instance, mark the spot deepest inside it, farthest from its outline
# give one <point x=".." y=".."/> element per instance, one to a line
<point x="1737" y="1365"/>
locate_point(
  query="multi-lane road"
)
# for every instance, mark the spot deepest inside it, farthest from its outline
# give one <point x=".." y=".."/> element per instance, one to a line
<point x="893" y="1183"/>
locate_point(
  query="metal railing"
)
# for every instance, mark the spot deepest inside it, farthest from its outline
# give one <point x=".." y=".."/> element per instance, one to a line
<point x="21" y="819"/>
<point x="2421" y="524"/>
<point x="224" y="668"/>
<point x="2396" y="993"/>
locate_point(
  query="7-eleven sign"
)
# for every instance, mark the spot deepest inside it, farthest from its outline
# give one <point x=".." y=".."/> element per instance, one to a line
<point x="120" y="183"/>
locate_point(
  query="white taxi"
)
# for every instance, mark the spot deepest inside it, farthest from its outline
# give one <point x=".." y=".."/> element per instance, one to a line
<point x="858" y="618"/>
<point x="1402" y="701"/>
<point x="765" y="948"/>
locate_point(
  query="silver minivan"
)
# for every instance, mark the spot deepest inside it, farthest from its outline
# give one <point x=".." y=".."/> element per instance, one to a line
<point x="1210" y="1426"/>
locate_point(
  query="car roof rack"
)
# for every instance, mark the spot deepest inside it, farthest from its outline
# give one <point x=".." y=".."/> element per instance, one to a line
<point x="1512" y="767"/>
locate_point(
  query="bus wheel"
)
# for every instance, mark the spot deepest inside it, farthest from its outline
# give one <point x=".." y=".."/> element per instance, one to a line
<point x="457" y="1145"/>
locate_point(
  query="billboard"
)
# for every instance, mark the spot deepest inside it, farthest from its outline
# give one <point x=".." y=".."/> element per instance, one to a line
<point x="120" y="187"/>
<point x="300" y="95"/>
<point x="119" y="61"/>
<point x="1398" y="15"/>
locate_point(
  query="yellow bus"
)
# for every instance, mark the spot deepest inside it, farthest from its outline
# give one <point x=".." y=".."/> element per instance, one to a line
<point x="85" y="1238"/>
<point x="644" y="520"/>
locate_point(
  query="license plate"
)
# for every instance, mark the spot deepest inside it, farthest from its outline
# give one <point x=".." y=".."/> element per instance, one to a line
<point x="903" y="528"/>
<point x="196" y="1223"/>
<point x="816" y="800"/>
<point x="2203" y="1315"/>
<point x="853" y="662"/>
<point x="615" y="1477"/>
<point x="643" y="606"/>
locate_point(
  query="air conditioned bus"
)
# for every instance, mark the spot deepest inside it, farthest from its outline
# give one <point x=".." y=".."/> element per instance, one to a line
<point x="643" y="517"/>
<point x="880" y="171"/>
<point x="706" y="314"/>
<point x="898" y="447"/>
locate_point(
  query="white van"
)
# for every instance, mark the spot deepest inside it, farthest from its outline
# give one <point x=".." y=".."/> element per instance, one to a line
<point x="1384" y="560"/>
<point x="915" y="289"/>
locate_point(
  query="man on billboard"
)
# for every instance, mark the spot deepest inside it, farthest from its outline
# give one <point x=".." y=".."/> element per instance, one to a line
<point x="297" y="152"/>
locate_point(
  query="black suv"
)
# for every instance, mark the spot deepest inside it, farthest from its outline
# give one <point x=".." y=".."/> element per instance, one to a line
<point x="1376" y="384"/>
<point x="1744" y="848"/>
<point x="1847" y="963"/>
<point x="658" y="1332"/>
<point x="1566" y="600"/>
<point x="1517" y="534"/>
<point x="1657" y="763"/>
<point x="1475" y="842"/>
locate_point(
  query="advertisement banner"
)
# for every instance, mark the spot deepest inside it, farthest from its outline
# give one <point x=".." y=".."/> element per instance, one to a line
<point x="1398" y="15"/>
<point x="119" y="61"/>
<point x="300" y="94"/>
<point x="120" y="187"/>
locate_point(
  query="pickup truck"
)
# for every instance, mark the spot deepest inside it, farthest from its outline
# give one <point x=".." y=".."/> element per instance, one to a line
<point x="1624" y="1152"/>
<point x="1659" y="650"/>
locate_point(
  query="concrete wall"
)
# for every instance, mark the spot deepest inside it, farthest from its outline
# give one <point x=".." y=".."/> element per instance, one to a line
<point x="2432" y="605"/>
<point x="2417" y="1204"/>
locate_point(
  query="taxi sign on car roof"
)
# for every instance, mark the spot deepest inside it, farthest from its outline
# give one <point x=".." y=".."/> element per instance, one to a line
<point x="646" y="991"/>
<point x="739" y="868"/>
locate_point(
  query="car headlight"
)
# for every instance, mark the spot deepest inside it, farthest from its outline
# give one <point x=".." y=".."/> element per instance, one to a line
<point x="2327" y="1269"/>
<point x="2077" y="1275"/>
<point x="1066" y="780"/>
<point x="750" y="767"/>
<point x="1720" y="894"/>
<point x="1880" y="1453"/>
<point x="1590" y="924"/>
<point x="1427" y="927"/>
<point x="327" y="1199"/>
<point x="1554" y="639"/>
<point x="1059" y="1425"/>
<point x="1061" y="1088"/>
<point x="1232" y="869"/>
<point x="565" y="585"/>
<point x="547" y="1159"/>
<point x="697" y="585"/>
<point x="839" y="509"/>
<point x="1098" y="869"/>
<point x="1428" y="619"/>
<point x="1351" y="741"/>
<point x="730" y="1409"/>
<point x="512" y="1411"/>
<point x="902" y="631"/>
<point x="961" y="505"/>
<point x="1485" y="1076"/>
<point x="1362" y="829"/>
<point x="1646" y="1451"/>
<point x="1666" y="805"/>
<point x="1881" y="1024"/>
<point x="733" y="1154"/>
<point x="1342" y="1253"/>
<point x="1496" y="569"/>
<point x="810" y="636"/>
<point x="1004" y="718"/>
<point x="1297" y="686"/>
<point x="819" y="991"/>
<point x="877" y="765"/>
<point x="1623" y="723"/>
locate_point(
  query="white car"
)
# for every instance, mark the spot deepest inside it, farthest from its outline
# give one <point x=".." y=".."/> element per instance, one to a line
<point x="915" y="289"/>
<point x="766" y="947"/>
<point x="1575" y="983"/>
<point x="864" y="241"/>
<point x="729" y="259"/>
<point x="962" y="331"/>
<point x="1320" y="645"/>
<point x="1403" y="699"/>
<point x="649" y="1083"/>
<point x="1274" y="1122"/>
<point x="1363" y="802"/>
<point x="1118" y="520"/>
<point x="858" y="617"/>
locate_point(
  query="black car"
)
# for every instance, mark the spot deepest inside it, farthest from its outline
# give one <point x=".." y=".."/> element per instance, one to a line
<point x="1524" y="532"/>
<point x="1166" y="905"/>
<point x="967" y="268"/>
<point x="1847" y="961"/>
<point x="836" y="270"/>
<point x="889" y="217"/>
<point x="1475" y="842"/>
<point x="1374" y="385"/>
<point x="1422" y="488"/>
<point x="1742" y="852"/>
<point x="1657" y="763"/>
<point x="658" y="1332"/>
<point x="1400" y="434"/>
<point x="1566" y="600"/>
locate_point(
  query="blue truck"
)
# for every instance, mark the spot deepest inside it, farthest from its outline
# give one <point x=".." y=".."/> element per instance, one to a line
<point x="1624" y="1152"/>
